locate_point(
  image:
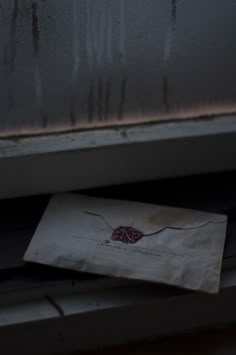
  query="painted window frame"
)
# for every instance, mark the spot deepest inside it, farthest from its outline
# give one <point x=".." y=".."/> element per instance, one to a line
<point x="116" y="155"/>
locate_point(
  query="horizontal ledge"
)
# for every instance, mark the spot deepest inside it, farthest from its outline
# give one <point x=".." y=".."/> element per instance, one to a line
<point x="99" y="138"/>
<point x="31" y="305"/>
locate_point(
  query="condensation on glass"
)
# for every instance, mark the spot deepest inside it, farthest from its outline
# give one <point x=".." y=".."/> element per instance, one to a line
<point x="72" y="64"/>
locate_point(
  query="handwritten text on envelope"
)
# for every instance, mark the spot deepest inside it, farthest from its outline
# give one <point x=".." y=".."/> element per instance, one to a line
<point x="168" y="245"/>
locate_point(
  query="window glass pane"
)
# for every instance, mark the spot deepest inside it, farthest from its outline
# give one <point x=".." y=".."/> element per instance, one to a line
<point x="72" y="64"/>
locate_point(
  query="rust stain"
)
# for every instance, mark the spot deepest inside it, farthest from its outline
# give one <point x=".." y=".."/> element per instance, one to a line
<point x="165" y="76"/>
<point x="35" y="27"/>
<point x="14" y="17"/>
<point x="173" y="11"/>
<point x="100" y="99"/>
<point x="10" y="54"/>
<point x="36" y="45"/>
<point x="91" y="103"/>
<point x="108" y="95"/>
<point x="72" y="108"/>
<point x="72" y="113"/>
<point x="165" y="91"/>
<point x="123" y="93"/>
<point x="75" y="64"/>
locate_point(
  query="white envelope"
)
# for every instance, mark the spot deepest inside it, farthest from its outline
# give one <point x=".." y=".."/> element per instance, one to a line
<point x="133" y="240"/>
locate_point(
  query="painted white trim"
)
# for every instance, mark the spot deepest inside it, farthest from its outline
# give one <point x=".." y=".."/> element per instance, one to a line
<point x="96" y="158"/>
<point x="82" y="297"/>
<point x="109" y="316"/>
<point x="99" y="138"/>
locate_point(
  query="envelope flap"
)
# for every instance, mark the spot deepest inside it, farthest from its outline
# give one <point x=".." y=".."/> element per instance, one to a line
<point x="145" y="217"/>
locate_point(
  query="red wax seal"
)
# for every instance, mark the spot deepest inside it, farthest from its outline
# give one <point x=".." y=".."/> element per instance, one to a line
<point x="127" y="235"/>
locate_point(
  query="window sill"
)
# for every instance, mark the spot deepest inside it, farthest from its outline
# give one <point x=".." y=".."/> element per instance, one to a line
<point x="80" y="160"/>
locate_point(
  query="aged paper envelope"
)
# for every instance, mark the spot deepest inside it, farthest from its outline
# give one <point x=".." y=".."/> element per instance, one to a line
<point x="133" y="240"/>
